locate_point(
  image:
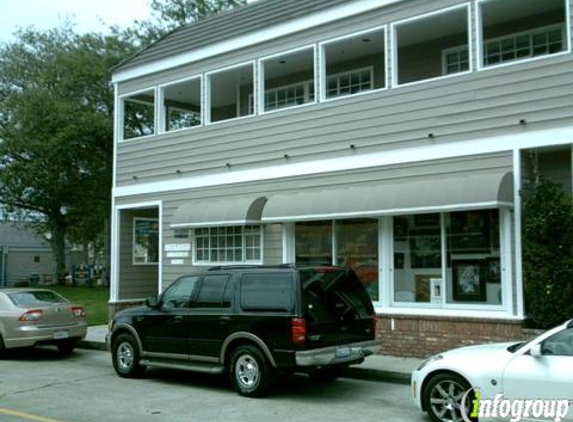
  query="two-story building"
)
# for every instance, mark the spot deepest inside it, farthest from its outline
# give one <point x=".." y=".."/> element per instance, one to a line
<point x="392" y="136"/>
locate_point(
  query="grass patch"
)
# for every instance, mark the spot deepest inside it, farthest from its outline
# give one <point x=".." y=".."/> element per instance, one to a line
<point x="94" y="301"/>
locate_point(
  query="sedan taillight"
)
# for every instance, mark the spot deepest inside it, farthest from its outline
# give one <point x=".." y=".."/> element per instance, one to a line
<point x="31" y="315"/>
<point x="78" y="311"/>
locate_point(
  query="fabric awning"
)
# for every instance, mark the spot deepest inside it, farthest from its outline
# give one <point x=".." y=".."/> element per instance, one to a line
<point x="420" y="195"/>
<point x="228" y="212"/>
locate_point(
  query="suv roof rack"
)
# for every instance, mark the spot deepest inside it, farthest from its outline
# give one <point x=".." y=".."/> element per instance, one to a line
<point x="247" y="266"/>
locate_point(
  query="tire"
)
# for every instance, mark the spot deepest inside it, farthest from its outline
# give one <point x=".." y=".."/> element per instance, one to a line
<point x="250" y="372"/>
<point x="443" y="396"/>
<point x="326" y="375"/>
<point x="2" y="348"/>
<point x="65" y="348"/>
<point x="125" y="356"/>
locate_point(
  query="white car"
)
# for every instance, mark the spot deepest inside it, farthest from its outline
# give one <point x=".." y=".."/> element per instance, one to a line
<point x="512" y="381"/>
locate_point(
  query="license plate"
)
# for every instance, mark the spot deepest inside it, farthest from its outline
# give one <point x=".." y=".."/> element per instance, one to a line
<point x="58" y="335"/>
<point x="342" y="352"/>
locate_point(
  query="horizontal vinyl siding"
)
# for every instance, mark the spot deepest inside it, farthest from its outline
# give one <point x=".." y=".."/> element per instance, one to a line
<point x="273" y="244"/>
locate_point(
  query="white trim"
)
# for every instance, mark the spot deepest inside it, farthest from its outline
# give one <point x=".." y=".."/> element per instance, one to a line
<point x="385" y="262"/>
<point x="226" y="223"/>
<point x="322" y="63"/>
<point x="133" y="262"/>
<point x="121" y="113"/>
<point x="393" y="25"/>
<point x="262" y="108"/>
<point x="481" y="314"/>
<point x="520" y="300"/>
<point x="115" y="246"/>
<point x="393" y="211"/>
<point x="272" y="32"/>
<point x="289" y="243"/>
<point x="480" y="43"/>
<point x="161" y="124"/>
<point x="504" y="143"/>
<point x="207" y="83"/>
<point x="506" y="260"/>
<point x="117" y="117"/>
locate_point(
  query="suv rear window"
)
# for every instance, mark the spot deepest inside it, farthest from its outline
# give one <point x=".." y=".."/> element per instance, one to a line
<point x="267" y="292"/>
<point x="332" y="295"/>
<point x="35" y="298"/>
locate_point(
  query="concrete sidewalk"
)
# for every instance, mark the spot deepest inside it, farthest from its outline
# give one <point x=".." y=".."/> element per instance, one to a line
<point x="375" y="368"/>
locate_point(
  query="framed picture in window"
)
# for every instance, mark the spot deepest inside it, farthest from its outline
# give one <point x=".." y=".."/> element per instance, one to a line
<point x="400" y="228"/>
<point x="423" y="286"/>
<point x="469" y="280"/>
<point x="493" y="270"/>
<point x="470" y="232"/>
<point x="425" y="248"/>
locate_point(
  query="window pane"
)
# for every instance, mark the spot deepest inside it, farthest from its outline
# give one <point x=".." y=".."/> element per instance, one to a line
<point x="146" y="245"/>
<point x="358" y="249"/>
<point x="474" y="266"/>
<point x="179" y="294"/>
<point x="314" y="243"/>
<point x="270" y="292"/>
<point x="417" y="258"/>
<point x="211" y="291"/>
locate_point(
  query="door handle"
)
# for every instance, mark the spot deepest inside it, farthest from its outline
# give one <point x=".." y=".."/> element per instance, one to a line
<point x="224" y="319"/>
<point x="178" y="318"/>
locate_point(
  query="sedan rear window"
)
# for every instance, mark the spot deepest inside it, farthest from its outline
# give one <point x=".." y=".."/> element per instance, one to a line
<point x="35" y="298"/>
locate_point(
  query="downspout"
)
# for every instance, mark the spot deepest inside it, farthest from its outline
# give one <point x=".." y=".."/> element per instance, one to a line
<point x="3" y="253"/>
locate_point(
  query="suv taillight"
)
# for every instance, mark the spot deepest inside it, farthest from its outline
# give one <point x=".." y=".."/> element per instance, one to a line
<point x="298" y="330"/>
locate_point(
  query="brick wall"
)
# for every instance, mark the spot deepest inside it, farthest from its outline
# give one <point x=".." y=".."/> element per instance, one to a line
<point x="416" y="336"/>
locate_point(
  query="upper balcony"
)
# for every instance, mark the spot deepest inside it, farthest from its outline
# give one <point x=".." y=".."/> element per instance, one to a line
<point x="398" y="76"/>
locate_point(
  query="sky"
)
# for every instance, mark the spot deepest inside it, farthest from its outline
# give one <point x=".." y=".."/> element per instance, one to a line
<point x="87" y="14"/>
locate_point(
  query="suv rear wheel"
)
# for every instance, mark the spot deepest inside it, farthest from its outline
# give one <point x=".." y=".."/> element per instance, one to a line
<point x="251" y="373"/>
<point x="125" y="356"/>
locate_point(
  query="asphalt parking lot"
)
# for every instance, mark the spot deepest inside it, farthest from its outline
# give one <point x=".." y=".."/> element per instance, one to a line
<point x="38" y="385"/>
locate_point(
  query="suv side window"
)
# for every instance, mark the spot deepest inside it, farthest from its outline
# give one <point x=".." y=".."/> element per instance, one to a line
<point x="267" y="292"/>
<point x="561" y="344"/>
<point x="212" y="292"/>
<point x="178" y="295"/>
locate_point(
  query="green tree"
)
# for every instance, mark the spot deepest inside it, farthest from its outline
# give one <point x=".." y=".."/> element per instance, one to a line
<point x="547" y="251"/>
<point x="56" y="137"/>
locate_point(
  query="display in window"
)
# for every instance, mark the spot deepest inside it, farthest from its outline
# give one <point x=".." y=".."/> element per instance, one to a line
<point x="423" y="287"/>
<point x="469" y="279"/>
<point x="470" y="232"/>
<point x="146" y="241"/>
<point x="425" y="248"/>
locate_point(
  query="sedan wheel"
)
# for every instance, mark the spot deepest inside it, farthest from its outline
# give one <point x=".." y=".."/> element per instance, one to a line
<point x="443" y="398"/>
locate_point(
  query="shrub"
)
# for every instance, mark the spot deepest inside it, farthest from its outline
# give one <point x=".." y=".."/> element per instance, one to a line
<point x="547" y="252"/>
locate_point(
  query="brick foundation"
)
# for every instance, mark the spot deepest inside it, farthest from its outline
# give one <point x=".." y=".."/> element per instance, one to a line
<point x="423" y="336"/>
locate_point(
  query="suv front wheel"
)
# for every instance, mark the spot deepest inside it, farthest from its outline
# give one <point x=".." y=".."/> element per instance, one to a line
<point x="125" y="355"/>
<point x="251" y="373"/>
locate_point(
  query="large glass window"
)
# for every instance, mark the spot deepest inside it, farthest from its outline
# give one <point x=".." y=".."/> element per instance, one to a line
<point x="145" y="241"/>
<point x="470" y="273"/>
<point x="288" y="79"/>
<point x="181" y="104"/>
<point x="352" y="243"/>
<point x="355" y="64"/>
<point x="228" y="244"/>
<point x="422" y="45"/>
<point x="230" y="92"/>
<point x="138" y="111"/>
<point x="514" y="30"/>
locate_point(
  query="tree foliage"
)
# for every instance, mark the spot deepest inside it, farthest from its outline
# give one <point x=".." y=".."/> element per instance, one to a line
<point x="548" y="251"/>
<point x="56" y="137"/>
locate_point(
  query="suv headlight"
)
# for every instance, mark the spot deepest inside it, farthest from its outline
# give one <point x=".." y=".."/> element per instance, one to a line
<point x="429" y="361"/>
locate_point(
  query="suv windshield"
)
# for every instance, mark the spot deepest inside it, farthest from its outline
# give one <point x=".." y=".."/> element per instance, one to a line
<point x="333" y="295"/>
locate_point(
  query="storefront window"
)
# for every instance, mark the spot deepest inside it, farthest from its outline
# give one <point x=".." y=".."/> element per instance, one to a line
<point x="417" y="259"/>
<point x="314" y="243"/>
<point x="357" y="248"/>
<point x="474" y="266"/>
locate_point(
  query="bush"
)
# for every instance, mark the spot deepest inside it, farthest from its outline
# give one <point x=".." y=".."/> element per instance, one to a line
<point x="547" y="252"/>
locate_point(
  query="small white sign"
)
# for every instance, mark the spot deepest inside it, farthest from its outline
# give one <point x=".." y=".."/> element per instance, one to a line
<point x="177" y="262"/>
<point x="173" y="247"/>
<point x="177" y="254"/>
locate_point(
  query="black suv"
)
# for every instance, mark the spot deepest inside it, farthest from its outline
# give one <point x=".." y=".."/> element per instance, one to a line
<point x="251" y="322"/>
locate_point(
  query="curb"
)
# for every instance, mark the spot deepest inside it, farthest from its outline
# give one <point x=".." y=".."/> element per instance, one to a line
<point x="92" y="345"/>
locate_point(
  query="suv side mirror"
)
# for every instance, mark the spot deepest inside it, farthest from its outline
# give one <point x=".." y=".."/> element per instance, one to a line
<point x="152" y="302"/>
<point x="536" y="351"/>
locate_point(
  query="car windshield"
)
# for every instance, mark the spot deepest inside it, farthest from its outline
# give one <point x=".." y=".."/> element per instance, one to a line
<point x="35" y="298"/>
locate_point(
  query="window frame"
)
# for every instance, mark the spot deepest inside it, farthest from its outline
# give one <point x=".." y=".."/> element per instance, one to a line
<point x="207" y="93"/>
<point x="260" y="261"/>
<point x="480" y="42"/>
<point x="121" y="114"/>
<point x="161" y="112"/>
<point x="322" y="76"/>
<point x="394" y="45"/>
<point x="147" y="263"/>
<point x="260" y="83"/>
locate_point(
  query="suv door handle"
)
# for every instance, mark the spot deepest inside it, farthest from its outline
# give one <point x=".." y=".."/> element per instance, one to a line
<point x="224" y="319"/>
<point x="178" y="318"/>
